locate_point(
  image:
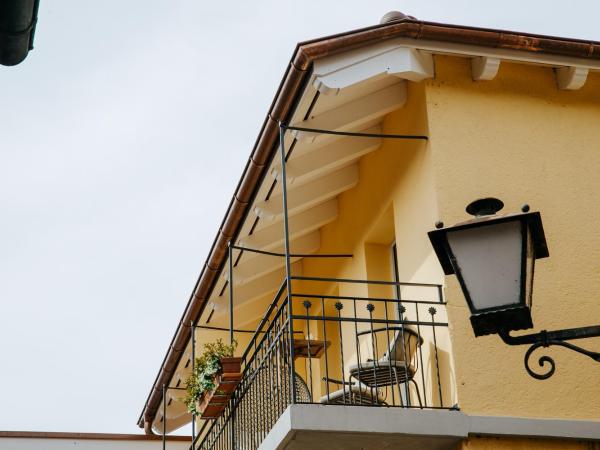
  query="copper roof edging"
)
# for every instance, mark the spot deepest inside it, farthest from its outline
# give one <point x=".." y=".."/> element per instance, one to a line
<point x="286" y="97"/>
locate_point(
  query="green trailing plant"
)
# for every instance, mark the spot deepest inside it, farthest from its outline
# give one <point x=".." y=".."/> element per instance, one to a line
<point x="207" y="366"/>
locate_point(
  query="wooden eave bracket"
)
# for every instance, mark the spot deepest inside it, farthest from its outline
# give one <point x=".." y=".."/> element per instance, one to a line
<point x="484" y="68"/>
<point x="341" y="71"/>
<point x="571" y="77"/>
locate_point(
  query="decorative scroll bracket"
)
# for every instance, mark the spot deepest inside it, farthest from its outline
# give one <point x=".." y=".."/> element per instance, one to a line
<point x="546" y="339"/>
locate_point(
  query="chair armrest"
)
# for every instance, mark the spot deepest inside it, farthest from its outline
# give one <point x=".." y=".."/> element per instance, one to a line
<point x="338" y="382"/>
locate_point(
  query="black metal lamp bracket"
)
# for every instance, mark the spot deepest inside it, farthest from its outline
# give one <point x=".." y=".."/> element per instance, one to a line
<point x="546" y="339"/>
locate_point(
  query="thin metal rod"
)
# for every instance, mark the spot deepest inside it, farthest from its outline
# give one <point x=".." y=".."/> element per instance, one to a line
<point x="365" y="320"/>
<point x="164" y="430"/>
<point x="292" y="255"/>
<point x="236" y="330"/>
<point x="288" y="269"/>
<point x="358" y="134"/>
<point x="351" y="280"/>
<point x="230" y="250"/>
<point x="432" y="311"/>
<point x="193" y="328"/>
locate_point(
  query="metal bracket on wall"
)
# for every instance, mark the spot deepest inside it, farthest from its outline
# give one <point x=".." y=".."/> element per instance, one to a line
<point x="546" y="339"/>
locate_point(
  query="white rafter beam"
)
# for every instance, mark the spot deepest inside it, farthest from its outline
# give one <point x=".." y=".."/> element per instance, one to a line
<point x="175" y="404"/>
<point x="255" y="265"/>
<point x="271" y="236"/>
<point x="314" y="164"/>
<point x="484" y="68"/>
<point x="353" y="67"/>
<point x="310" y="194"/>
<point x="571" y="78"/>
<point x="356" y="113"/>
<point x="256" y="288"/>
<point x="305" y="146"/>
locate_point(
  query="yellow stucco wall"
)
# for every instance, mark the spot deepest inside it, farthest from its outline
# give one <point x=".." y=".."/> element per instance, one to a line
<point x="505" y="443"/>
<point x="394" y="200"/>
<point x="521" y="139"/>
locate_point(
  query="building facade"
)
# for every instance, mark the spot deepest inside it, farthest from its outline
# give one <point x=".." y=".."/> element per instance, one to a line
<point x="322" y="270"/>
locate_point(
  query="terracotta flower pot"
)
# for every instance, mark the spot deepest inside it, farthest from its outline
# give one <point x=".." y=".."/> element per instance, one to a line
<point x="211" y="404"/>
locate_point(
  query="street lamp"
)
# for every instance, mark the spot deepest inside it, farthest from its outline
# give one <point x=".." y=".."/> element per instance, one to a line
<point x="493" y="256"/>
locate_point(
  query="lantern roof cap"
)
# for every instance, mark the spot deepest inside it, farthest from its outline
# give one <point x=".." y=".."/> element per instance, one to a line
<point x="532" y="220"/>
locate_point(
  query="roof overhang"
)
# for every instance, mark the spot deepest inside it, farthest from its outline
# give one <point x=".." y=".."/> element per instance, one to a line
<point x="340" y="64"/>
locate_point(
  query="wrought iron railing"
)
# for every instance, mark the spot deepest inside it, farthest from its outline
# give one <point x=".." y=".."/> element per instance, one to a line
<point x="338" y="349"/>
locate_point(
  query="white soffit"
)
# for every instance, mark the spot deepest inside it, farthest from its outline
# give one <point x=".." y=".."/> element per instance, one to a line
<point x="271" y="236"/>
<point x="310" y="194"/>
<point x="412" y="60"/>
<point x="341" y="153"/>
<point x="353" y="115"/>
<point x="338" y="72"/>
<point x="254" y="265"/>
<point x="254" y="289"/>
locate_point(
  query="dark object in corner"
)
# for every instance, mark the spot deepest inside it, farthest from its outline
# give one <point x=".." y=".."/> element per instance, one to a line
<point x="17" y="28"/>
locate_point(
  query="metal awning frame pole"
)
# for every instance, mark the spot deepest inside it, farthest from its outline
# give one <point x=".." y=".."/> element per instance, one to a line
<point x="230" y="285"/>
<point x="288" y="270"/>
<point x="164" y="430"/>
<point x="231" y="339"/>
<point x="193" y="328"/>
<point x="164" y="412"/>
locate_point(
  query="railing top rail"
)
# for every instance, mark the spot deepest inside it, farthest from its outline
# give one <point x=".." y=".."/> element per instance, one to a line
<point x="368" y="320"/>
<point x="374" y="299"/>
<point x="351" y="280"/>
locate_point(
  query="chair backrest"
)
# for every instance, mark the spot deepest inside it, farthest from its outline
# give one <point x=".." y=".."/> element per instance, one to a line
<point x="404" y="345"/>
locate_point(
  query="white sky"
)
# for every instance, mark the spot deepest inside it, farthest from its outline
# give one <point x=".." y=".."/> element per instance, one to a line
<point x="122" y="138"/>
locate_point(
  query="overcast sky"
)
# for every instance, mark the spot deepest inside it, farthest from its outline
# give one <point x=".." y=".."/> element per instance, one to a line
<point x="122" y="137"/>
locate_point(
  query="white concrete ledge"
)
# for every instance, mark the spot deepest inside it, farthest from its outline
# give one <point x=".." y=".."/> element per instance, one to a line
<point x="323" y="426"/>
<point x="349" y="427"/>
<point x="538" y="428"/>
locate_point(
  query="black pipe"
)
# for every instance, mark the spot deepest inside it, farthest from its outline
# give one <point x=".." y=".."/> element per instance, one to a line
<point x="18" y="19"/>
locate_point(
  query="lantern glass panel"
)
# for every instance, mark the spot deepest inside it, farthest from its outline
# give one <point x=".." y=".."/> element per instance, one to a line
<point x="489" y="260"/>
<point x="530" y="261"/>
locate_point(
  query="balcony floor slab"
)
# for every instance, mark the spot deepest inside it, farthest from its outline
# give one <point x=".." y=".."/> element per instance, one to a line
<point x="320" y="427"/>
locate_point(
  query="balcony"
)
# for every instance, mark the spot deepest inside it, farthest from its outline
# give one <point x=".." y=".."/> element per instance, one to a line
<point x="336" y="355"/>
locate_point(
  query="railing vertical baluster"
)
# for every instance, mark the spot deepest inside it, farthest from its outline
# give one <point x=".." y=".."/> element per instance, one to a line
<point x="420" y="352"/>
<point x="325" y="339"/>
<point x="279" y="368"/>
<point x="371" y="308"/>
<point x="433" y="311"/>
<point x="307" y="306"/>
<point x="402" y="310"/>
<point x="339" y="306"/>
<point x="360" y="395"/>
<point x="389" y="353"/>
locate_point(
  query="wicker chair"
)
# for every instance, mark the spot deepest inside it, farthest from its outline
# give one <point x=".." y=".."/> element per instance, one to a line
<point x="395" y="367"/>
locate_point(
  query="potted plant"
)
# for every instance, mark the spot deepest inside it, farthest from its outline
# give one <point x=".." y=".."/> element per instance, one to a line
<point x="215" y="376"/>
